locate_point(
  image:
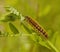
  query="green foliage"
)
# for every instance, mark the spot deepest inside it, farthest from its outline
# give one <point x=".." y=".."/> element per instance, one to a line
<point x="13" y="28"/>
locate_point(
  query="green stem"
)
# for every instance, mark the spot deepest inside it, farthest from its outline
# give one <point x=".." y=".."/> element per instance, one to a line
<point x="52" y="46"/>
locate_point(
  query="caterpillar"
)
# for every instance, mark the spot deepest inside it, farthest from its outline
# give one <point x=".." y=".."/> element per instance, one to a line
<point x="39" y="29"/>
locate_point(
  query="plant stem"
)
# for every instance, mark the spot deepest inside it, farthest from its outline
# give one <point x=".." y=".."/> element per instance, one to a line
<point x="52" y="46"/>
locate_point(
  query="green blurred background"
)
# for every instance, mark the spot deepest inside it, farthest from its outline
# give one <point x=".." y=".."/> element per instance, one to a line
<point x="46" y="12"/>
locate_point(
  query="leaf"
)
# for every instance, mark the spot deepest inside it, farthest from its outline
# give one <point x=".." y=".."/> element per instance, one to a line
<point x="10" y="17"/>
<point x="27" y="29"/>
<point x="39" y="40"/>
<point x="13" y="28"/>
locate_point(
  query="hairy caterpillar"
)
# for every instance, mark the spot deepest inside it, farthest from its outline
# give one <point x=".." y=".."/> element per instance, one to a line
<point x="36" y="26"/>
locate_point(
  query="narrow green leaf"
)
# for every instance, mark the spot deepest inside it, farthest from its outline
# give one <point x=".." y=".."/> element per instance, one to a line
<point x="26" y="28"/>
<point x="13" y="28"/>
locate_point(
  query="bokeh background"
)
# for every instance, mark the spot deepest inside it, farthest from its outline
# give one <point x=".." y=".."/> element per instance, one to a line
<point x="46" y="12"/>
